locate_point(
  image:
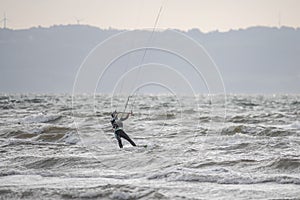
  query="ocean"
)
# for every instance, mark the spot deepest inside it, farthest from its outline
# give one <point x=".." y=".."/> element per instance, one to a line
<point x="59" y="146"/>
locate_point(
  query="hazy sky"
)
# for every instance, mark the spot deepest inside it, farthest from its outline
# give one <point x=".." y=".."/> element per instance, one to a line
<point x="207" y="15"/>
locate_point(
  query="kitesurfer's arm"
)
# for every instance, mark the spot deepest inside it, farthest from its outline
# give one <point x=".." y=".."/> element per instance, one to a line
<point x="124" y="118"/>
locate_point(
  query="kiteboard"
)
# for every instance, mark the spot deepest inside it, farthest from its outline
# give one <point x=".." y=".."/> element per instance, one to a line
<point x="142" y="145"/>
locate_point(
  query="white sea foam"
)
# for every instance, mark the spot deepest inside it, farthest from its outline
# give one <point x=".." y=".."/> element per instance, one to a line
<point x="40" y="118"/>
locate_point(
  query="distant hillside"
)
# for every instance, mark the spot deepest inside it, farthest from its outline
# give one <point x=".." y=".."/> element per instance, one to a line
<point x="254" y="60"/>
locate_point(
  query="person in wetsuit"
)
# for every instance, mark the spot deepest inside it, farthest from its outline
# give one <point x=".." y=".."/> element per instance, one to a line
<point x="117" y="125"/>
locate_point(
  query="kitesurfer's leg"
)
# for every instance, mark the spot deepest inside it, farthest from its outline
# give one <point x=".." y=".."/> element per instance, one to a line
<point x="117" y="135"/>
<point x="126" y="137"/>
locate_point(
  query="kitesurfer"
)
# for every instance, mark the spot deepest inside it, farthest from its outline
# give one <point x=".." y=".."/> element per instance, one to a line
<point x="117" y="125"/>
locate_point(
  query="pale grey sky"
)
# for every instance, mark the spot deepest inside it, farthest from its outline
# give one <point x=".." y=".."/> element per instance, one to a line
<point x="207" y="15"/>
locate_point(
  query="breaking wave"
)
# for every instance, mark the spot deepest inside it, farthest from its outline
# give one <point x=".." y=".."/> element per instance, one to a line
<point x="41" y="118"/>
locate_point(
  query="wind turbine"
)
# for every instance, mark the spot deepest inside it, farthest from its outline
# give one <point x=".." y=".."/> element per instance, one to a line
<point x="78" y="20"/>
<point x="279" y="19"/>
<point x="4" y="20"/>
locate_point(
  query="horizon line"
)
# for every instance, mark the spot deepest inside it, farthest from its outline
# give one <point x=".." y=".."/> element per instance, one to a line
<point x="129" y="29"/>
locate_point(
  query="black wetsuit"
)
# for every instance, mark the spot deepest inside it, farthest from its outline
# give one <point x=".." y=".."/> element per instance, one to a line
<point x="120" y="133"/>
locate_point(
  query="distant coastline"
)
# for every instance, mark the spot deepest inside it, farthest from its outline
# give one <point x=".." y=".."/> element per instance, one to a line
<point x="118" y="29"/>
<point x="252" y="60"/>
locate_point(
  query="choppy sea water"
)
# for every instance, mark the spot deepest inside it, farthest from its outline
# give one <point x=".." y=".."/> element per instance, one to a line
<point x="54" y="148"/>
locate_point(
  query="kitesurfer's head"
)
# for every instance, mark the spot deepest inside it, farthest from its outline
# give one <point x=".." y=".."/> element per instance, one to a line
<point x="114" y="114"/>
